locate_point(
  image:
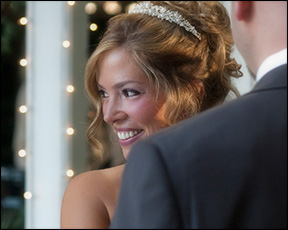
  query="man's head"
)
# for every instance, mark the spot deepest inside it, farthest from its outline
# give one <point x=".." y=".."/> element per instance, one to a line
<point x="259" y="29"/>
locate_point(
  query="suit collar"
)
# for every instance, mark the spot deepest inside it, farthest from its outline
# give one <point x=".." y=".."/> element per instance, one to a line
<point x="272" y="62"/>
<point x="276" y="78"/>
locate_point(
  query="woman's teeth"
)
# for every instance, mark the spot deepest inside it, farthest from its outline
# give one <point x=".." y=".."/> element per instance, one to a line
<point x="126" y="135"/>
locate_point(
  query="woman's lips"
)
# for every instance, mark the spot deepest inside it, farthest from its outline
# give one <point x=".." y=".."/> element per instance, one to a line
<point x="128" y="137"/>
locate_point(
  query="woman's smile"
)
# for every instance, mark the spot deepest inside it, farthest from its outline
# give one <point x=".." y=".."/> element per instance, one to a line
<point x="129" y="137"/>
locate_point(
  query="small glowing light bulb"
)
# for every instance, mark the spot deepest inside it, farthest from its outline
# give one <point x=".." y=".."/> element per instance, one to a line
<point x="71" y="3"/>
<point x="70" y="131"/>
<point x="27" y="195"/>
<point x="70" y="173"/>
<point x="93" y="27"/>
<point x="23" y="109"/>
<point x="23" y="62"/>
<point x="70" y="88"/>
<point x="90" y="8"/>
<point x="66" y="44"/>
<point x="21" y="153"/>
<point x="23" y="21"/>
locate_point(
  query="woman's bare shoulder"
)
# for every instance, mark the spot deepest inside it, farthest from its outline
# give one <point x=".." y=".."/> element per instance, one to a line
<point x="85" y="199"/>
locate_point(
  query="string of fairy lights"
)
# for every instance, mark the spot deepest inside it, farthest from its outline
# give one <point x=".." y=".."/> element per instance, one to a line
<point x="110" y="8"/>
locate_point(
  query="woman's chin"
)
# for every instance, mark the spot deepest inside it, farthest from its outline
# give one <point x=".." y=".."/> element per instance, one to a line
<point x="126" y="152"/>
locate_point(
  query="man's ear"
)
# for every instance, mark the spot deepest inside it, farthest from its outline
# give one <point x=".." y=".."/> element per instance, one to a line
<point x="243" y="10"/>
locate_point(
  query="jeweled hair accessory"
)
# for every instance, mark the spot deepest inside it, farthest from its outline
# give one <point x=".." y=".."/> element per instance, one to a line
<point x="161" y="12"/>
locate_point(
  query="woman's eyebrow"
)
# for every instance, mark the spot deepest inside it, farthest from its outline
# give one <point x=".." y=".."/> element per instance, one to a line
<point x="121" y="84"/>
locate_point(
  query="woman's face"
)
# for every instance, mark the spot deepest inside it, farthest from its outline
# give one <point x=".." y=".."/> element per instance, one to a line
<point x="129" y="104"/>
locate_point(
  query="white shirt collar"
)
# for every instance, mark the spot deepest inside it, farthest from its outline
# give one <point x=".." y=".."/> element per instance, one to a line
<point x="271" y="62"/>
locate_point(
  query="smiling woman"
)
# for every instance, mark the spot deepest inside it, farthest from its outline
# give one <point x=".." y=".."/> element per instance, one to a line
<point x="147" y="73"/>
<point x="129" y="103"/>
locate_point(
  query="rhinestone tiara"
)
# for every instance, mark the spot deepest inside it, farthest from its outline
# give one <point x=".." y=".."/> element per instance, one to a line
<point x="161" y="12"/>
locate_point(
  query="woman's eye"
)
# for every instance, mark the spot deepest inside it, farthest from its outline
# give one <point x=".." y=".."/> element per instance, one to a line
<point x="130" y="92"/>
<point x="103" y="94"/>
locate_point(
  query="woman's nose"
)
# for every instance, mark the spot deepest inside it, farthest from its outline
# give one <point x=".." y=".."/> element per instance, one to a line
<point x="112" y="111"/>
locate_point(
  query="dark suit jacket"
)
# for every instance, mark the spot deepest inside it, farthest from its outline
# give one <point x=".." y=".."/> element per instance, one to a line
<point x="225" y="168"/>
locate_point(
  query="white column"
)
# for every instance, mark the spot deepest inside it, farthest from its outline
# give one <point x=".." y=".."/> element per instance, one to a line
<point x="50" y="107"/>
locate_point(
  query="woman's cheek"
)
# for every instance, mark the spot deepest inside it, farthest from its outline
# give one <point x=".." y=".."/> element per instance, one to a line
<point x="143" y="110"/>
